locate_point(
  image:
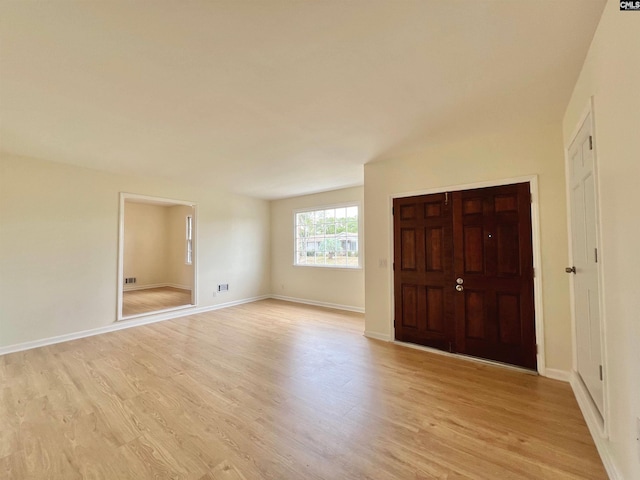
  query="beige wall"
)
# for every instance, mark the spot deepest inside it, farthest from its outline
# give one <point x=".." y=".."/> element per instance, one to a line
<point x="59" y="241"/>
<point x="611" y="74"/>
<point x="180" y="274"/>
<point x="319" y="284"/>
<point x="154" y="245"/>
<point x="500" y="154"/>
<point x="145" y="244"/>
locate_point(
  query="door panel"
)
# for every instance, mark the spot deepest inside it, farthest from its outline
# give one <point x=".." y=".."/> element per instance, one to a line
<point x="435" y="249"/>
<point x="483" y="238"/>
<point x="474" y="311"/>
<point x="471" y="206"/>
<point x="507" y="239"/>
<point x="508" y="314"/>
<point x="410" y="306"/>
<point x="435" y="309"/>
<point x="473" y="249"/>
<point x="408" y="247"/>
<point x="506" y="203"/>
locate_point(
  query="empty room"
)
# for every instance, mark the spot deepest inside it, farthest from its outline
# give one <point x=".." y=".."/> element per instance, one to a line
<point x="319" y="239"/>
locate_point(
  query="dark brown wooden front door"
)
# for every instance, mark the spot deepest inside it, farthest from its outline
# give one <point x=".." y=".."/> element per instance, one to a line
<point x="463" y="267"/>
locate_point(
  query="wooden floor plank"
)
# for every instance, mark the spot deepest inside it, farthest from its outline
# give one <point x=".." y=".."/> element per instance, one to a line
<point x="136" y="302"/>
<point x="224" y="471"/>
<point x="274" y="390"/>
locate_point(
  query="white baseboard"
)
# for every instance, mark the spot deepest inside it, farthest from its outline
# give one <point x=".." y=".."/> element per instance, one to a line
<point x="595" y="425"/>
<point x="377" y="336"/>
<point x="121" y="325"/>
<point x="556" y="374"/>
<point x="336" y="306"/>
<point x="131" y="288"/>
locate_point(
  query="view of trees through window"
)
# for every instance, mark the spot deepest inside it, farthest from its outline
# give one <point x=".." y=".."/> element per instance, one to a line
<point x="328" y="237"/>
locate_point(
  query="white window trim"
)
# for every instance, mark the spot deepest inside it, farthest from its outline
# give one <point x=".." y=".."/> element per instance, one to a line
<point x="327" y="207"/>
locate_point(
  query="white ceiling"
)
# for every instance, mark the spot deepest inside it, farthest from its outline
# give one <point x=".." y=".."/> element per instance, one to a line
<point x="276" y="98"/>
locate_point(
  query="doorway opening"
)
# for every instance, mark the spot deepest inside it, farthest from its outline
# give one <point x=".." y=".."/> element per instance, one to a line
<point x="157" y="257"/>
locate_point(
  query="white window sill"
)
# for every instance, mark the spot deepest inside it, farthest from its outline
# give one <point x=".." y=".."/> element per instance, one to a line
<point x="331" y="267"/>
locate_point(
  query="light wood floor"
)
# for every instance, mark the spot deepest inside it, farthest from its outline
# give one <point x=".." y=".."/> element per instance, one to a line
<point x="273" y="390"/>
<point x="135" y="302"/>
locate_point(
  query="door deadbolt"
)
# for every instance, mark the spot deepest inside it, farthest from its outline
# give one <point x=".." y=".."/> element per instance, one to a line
<point x="459" y="281"/>
<point x="459" y="288"/>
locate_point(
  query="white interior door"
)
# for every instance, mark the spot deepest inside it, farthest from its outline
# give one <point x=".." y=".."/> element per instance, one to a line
<point x="585" y="261"/>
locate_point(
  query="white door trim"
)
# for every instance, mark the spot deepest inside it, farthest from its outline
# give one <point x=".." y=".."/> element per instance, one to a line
<point x="596" y="421"/>
<point x="535" y="234"/>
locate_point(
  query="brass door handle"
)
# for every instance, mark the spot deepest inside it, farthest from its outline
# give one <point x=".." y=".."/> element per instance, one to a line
<point x="570" y="270"/>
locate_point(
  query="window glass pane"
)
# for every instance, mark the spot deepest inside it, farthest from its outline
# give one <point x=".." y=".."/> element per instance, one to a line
<point x="189" y="239"/>
<point x="327" y="237"/>
<point x="329" y="214"/>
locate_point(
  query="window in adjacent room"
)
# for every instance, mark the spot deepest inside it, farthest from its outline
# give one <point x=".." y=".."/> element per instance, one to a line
<point x="189" y="241"/>
<point x="327" y="237"/>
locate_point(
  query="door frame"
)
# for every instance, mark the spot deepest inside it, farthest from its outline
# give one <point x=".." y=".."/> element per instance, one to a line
<point x="532" y="180"/>
<point x="589" y="410"/>
<point x="120" y="267"/>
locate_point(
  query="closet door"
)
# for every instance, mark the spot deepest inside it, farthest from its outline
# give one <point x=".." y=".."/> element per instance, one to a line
<point x="584" y="237"/>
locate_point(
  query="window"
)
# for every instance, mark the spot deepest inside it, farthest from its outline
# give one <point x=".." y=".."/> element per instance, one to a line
<point x="189" y="242"/>
<point x="328" y="237"/>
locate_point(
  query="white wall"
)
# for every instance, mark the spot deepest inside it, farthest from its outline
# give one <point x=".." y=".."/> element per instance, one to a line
<point x="59" y="240"/>
<point x="611" y="74"/>
<point x="465" y="158"/>
<point x="318" y="284"/>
